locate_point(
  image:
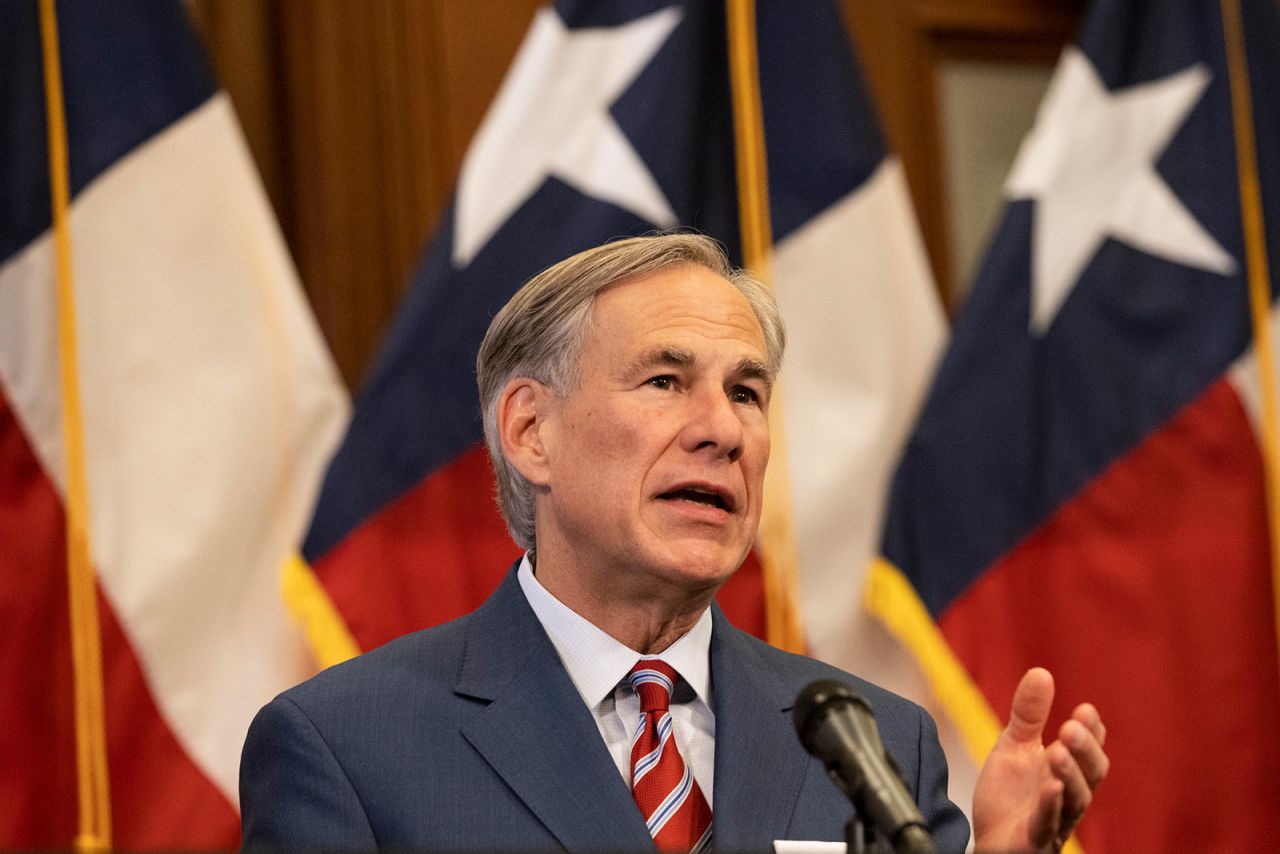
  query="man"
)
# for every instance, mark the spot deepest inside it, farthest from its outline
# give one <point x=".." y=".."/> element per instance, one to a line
<point x="599" y="701"/>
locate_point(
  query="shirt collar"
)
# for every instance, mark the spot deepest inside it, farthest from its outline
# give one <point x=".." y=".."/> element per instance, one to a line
<point x="596" y="661"/>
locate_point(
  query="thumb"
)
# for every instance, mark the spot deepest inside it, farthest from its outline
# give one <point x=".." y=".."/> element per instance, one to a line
<point x="1031" y="703"/>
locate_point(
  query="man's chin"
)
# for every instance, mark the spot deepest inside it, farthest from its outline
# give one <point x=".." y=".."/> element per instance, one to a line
<point x="703" y="566"/>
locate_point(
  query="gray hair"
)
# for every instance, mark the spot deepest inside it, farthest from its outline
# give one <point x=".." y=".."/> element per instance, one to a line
<point x="541" y="331"/>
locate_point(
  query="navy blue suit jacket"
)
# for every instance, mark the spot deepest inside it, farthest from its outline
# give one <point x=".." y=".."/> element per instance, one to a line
<point x="470" y="736"/>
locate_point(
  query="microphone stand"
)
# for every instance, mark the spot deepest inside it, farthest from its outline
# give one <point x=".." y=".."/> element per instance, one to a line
<point x="856" y="835"/>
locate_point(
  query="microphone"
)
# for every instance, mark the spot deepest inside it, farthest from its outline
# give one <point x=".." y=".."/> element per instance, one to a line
<point x="837" y="726"/>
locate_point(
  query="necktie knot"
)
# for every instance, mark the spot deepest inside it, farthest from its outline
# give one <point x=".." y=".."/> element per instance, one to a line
<point x="653" y="681"/>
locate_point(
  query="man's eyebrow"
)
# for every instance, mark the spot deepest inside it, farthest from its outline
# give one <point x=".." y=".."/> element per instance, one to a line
<point x="754" y="369"/>
<point x="676" y="357"/>
<point x="670" y="357"/>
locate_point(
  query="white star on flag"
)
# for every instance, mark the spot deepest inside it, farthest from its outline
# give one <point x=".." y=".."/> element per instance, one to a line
<point x="552" y="119"/>
<point x="1089" y="163"/>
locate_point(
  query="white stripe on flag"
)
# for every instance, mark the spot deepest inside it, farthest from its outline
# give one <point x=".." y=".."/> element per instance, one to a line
<point x="211" y="406"/>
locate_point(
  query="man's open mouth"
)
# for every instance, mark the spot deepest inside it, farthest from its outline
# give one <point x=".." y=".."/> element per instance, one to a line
<point x="699" y="495"/>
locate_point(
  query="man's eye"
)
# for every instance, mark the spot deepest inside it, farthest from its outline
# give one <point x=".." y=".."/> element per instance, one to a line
<point x="743" y="394"/>
<point x="663" y="382"/>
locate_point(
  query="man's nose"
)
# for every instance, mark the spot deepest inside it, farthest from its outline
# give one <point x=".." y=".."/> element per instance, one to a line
<point x="714" y="425"/>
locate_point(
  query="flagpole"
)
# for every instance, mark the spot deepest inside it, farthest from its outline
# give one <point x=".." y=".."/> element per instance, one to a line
<point x="86" y="639"/>
<point x="777" y="531"/>
<point x="1259" y="277"/>
<point x="749" y="144"/>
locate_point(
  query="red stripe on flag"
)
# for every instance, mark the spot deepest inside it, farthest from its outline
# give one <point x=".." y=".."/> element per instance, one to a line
<point x="1149" y="594"/>
<point x="37" y="731"/>
<point x="431" y="555"/>
<point x="742" y="598"/>
<point x="159" y="798"/>
<point x="440" y="549"/>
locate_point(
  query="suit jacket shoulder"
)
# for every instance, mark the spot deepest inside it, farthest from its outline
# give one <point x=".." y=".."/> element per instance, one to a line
<point x="468" y="736"/>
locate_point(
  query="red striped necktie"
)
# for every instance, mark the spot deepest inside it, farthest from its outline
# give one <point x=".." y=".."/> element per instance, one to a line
<point x="669" y="798"/>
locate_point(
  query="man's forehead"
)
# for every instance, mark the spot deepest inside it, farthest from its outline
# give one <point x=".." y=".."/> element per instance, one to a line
<point x="680" y="293"/>
<point x="679" y="315"/>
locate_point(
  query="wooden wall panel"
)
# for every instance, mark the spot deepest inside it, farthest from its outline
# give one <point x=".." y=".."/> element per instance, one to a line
<point x="482" y="41"/>
<point x="355" y="188"/>
<point x="359" y="114"/>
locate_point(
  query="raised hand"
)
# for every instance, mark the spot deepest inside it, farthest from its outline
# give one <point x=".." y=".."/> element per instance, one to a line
<point x="1030" y="796"/>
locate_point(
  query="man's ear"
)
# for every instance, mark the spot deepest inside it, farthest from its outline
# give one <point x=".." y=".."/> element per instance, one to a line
<point x="523" y="409"/>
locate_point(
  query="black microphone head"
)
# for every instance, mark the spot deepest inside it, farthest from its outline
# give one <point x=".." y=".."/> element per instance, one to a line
<point x="839" y="729"/>
<point x="813" y="702"/>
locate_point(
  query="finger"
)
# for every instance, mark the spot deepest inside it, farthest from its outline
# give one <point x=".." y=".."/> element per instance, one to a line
<point x="1031" y="702"/>
<point x="1086" y="750"/>
<point x="1046" y="823"/>
<point x="1086" y="714"/>
<point x="1077" y="794"/>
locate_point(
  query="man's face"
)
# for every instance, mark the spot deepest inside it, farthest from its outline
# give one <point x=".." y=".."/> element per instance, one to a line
<point x="655" y="463"/>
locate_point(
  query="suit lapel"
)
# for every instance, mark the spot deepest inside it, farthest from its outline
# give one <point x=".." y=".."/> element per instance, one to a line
<point x="760" y="764"/>
<point x="538" y="735"/>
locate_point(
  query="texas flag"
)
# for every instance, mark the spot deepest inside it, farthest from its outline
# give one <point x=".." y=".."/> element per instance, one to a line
<point x="616" y="119"/>
<point x="210" y="406"/>
<point x="1086" y="488"/>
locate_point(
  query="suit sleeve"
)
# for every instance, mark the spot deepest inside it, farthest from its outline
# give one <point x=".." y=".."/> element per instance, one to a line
<point x="946" y="821"/>
<point x="294" y="793"/>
